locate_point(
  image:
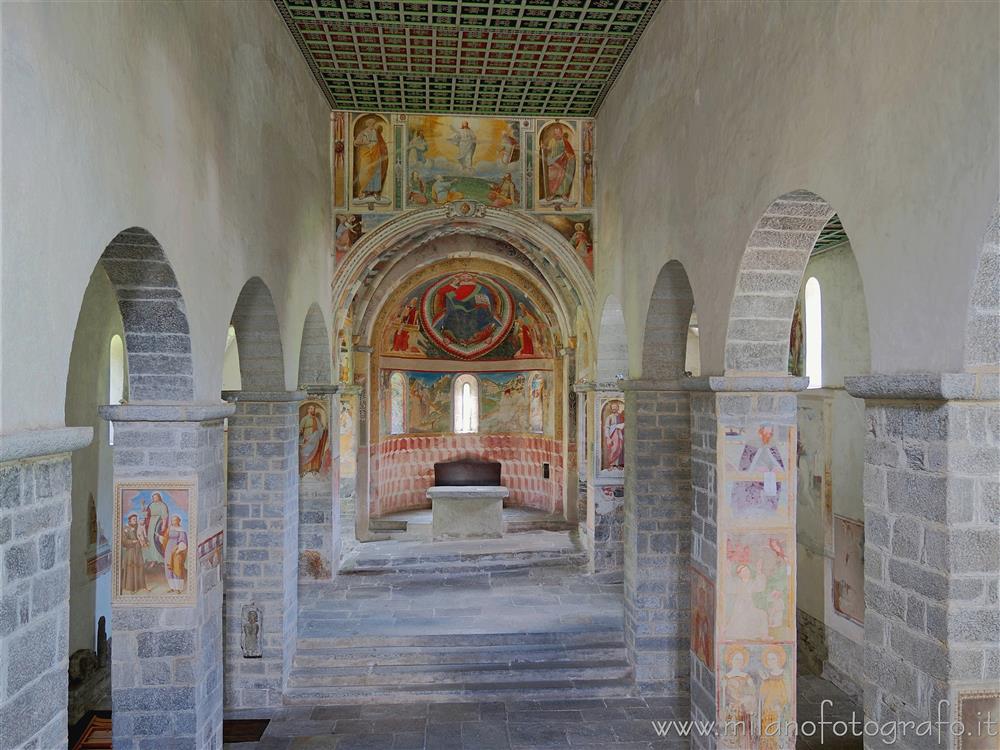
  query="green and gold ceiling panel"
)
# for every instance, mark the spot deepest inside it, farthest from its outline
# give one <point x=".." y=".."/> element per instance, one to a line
<point x="507" y="57"/>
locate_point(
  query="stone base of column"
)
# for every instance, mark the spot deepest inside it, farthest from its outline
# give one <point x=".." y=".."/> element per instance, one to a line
<point x="35" y="493"/>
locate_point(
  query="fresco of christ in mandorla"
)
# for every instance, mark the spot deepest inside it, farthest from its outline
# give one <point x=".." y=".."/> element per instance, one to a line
<point x="467" y="314"/>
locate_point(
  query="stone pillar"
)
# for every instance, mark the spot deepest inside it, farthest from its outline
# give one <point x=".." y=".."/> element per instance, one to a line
<point x="35" y="493"/>
<point x="261" y="561"/>
<point x="362" y="496"/>
<point x="605" y="491"/>
<point x="166" y="661"/>
<point x="932" y="547"/>
<point x="571" y="484"/>
<point x="350" y="396"/>
<point x="743" y="476"/>
<point x="319" y="494"/>
<point x="657" y="534"/>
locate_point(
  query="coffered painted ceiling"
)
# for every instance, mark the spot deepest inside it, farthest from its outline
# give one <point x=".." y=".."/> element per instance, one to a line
<point x="553" y="58"/>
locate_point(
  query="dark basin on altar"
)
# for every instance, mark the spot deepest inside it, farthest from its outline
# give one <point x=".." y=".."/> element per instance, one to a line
<point x="467" y="473"/>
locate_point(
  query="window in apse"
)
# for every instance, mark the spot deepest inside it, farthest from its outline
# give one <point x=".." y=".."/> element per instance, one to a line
<point x="466" y="399"/>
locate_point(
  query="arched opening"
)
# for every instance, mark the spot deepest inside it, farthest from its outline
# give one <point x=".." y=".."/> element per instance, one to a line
<point x="450" y="381"/>
<point x="315" y="354"/>
<point x="612" y="345"/>
<point x="258" y="339"/>
<point x="465" y="405"/>
<point x="131" y="343"/>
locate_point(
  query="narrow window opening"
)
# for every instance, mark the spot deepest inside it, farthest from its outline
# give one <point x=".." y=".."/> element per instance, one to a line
<point x="814" y="333"/>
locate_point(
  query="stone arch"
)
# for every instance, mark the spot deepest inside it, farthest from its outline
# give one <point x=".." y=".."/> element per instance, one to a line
<point x="315" y="355"/>
<point x="551" y="253"/>
<point x="157" y="336"/>
<point x="767" y="286"/>
<point x="664" y="344"/>
<point x="258" y="338"/>
<point x="982" y="330"/>
<point x="612" y="343"/>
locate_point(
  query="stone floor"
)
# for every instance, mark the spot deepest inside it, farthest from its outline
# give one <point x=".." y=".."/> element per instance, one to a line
<point x="483" y="593"/>
<point x="622" y="724"/>
<point x="618" y="723"/>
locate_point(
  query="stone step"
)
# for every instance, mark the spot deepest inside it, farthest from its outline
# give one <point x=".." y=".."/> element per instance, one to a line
<point x="466" y="674"/>
<point x="457" y="566"/>
<point x="505" y="655"/>
<point x="576" y="637"/>
<point x="554" y="524"/>
<point x="385" y="524"/>
<point x="524" y="690"/>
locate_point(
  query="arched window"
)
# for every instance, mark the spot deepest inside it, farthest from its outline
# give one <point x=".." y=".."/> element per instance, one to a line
<point x="814" y="333"/>
<point x="466" y="403"/>
<point x="116" y="378"/>
<point x="397" y="403"/>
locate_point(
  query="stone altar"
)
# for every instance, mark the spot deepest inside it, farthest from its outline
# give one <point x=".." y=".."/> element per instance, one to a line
<point x="467" y="511"/>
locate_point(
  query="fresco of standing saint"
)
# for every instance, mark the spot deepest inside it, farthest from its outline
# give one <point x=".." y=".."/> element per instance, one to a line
<point x="613" y="435"/>
<point x="557" y="164"/>
<point x="314" y="439"/>
<point x="371" y="159"/>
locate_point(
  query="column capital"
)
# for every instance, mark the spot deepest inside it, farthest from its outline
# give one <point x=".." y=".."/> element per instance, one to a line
<point x="745" y="383"/>
<point x="166" y="411"/>
<point x="320" y="389"/>
<point x="264" y="396"/>
<point x="22" y="444"/>
<point x="649" y="384"/>
<point x="924" y="386"/>
<point x="351" y="389"/>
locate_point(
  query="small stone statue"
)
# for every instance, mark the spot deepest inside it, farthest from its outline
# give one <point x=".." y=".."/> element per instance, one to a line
<point x="250" y="637"/>
<point x="102" y="642"/>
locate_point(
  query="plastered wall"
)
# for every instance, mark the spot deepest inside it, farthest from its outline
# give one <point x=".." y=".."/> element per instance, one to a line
<point x="197" y="121"/>
<point x="889" y="111"/>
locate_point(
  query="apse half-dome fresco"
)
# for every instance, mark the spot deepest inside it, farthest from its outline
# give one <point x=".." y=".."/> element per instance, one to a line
<point x="467" y="315"/>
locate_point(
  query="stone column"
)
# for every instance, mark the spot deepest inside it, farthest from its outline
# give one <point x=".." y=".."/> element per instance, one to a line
<point x="35" y="494"/>
<point x="166" y="661"/>
<point x="605" y="491"/>
<point x="657" y="534"/>
<point x="262" y="546"/>
<point x="319" y="496"/>
<point x="571" y="484"/>
<point x="362" y="496"/>
<point x="350" y="396"/>
<point x="932" y="547"/>
<point x="743" y="476"/>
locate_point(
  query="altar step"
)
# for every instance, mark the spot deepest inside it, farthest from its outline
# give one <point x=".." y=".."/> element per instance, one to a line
<point x="381" y="525"/>
<point x="460" y="666"/>
<point x="467" y="563"/>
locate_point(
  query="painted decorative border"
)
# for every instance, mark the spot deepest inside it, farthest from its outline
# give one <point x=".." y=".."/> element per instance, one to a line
<point x="212" y="549"/>
<point x="189" y="597"/>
